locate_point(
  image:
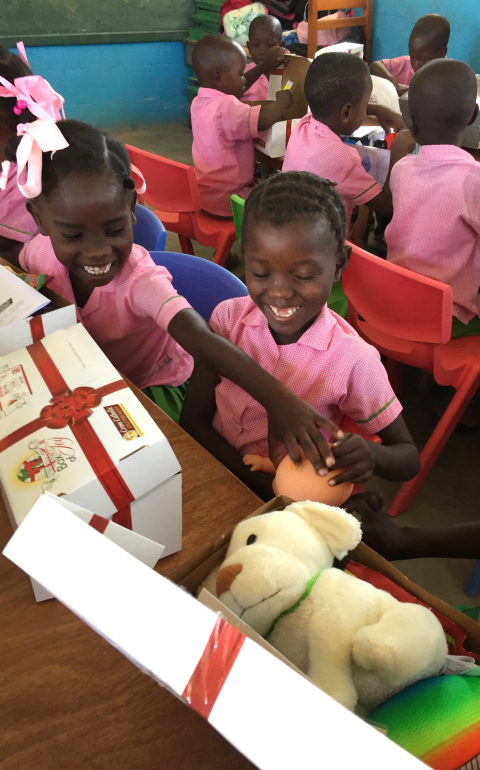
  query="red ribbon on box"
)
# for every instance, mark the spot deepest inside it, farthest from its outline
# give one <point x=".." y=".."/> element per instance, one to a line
<point x="288" y="132"/>
<point x="213" y="668"/>
<point x="73" y="408"/>
<point x="36" y="328"/>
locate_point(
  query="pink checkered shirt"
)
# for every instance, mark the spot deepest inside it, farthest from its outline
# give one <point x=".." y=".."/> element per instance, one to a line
<point x="128" y="318"/>
<point x="259" y="90"/>
<point x="401" y="69"/>
<point x="435" y="228"/>
<point x="330" y="367"/>
<point x="15" y="221"/>
<point x="223" y="132"/>
<point x="315" y="147"/>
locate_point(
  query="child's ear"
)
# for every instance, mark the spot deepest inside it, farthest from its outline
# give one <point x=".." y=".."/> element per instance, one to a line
<point x="414" y="128"/>
<point x="442" y="53"/>
<point x="345" y="113"/>
<point x="35" y="213"/>
<point x="133" y="205"/>
<point x="474" y="116"/>
<point x="217" y="78"/>
<point x="342" y="261"/>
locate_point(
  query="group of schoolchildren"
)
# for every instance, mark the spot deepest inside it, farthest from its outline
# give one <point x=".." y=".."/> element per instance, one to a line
<point x="276" y="367"/>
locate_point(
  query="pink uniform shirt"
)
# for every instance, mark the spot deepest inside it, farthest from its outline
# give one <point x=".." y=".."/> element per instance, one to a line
<point x="128" y="318"/>
<point x="259" y="90"/>
<point x="314" y="147"/>
<point x="223" y="132"/>
<point x="15" y="221"/>
<point x="400" y="68"/>
<point x="435" y="228"/>
<point x="330" y="367"/>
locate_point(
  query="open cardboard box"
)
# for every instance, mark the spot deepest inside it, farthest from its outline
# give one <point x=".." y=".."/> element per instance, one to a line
<point x="277" y="718"/>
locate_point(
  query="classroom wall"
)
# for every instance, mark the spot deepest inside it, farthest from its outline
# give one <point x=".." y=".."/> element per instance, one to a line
<point x="393" y="21"/>
<point x="117" y="85"/>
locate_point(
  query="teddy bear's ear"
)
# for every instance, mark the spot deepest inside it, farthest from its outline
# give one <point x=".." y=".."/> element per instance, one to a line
<point x="339" y="529"/>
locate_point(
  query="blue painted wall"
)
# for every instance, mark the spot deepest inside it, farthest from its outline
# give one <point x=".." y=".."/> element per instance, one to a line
<point x="117" y="85"/>
<point x="393" y="21"/>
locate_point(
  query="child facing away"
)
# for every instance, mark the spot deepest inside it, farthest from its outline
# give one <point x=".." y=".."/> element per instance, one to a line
<point x="84" y="211"/>
<point x="293" y="237"/>
<point x="223" y="126"/>
<point x="435" y="228"/>
<point x="264" y="41"/>
<point x="428" y="40"/>
<point x="338" y="87"/>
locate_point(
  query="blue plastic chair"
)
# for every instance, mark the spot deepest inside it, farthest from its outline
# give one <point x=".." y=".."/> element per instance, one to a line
<point x="204" y="284"/>
<point x="149" y="231"/>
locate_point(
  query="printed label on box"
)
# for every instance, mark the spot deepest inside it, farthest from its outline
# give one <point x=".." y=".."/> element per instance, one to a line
<point x="14" y="387"/>
<point x="47" y="458"/>
<point x="123" y="422"/>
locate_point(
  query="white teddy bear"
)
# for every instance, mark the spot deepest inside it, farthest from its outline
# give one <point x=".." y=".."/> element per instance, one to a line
<point x="354" y="641"/>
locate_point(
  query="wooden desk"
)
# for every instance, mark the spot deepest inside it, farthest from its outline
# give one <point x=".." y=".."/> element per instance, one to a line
<point x="68" y="700"/>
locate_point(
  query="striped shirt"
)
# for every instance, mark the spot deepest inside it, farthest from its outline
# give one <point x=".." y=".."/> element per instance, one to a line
<point x="128" y="318"/>
<point x="330" y="367"/>
<point x="435" y="230"/>
<point x="315" y="147"/>
<point x="15" y="221"/>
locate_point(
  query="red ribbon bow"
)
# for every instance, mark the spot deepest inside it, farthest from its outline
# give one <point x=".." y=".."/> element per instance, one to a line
<point x="70" y="408"/>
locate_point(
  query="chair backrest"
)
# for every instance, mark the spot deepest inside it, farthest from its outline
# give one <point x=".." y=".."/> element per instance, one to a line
<point x="385" y="93"/>
<point x="171" y="186"/>
<point x="238" y="209"/>
<point x="314" y="23"/>
<point x="203" y="283"/>
<point x="149" y="232"/>
<point x="396" y="302"/>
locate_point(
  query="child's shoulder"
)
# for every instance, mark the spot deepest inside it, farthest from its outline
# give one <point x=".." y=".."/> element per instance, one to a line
<point x="233" y="314"/>
<point x="345" y="337"/>
<point x="38" y="257"/>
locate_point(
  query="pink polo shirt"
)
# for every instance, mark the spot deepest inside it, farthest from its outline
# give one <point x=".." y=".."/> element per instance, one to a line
<point x="15" y="221"/>
<point x="400" y="68"/>
<point x="259" y="90"/>
<point x="435" y="228"/>
<point x="223" y="132"/>
<point x="128" y="318"/>
<point x="315" y="147"/>
<point x="330" y="367"/>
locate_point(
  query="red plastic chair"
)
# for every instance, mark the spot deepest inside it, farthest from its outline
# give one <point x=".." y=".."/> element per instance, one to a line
<point x="408" y="318"/>
<point x="172" y="191"/>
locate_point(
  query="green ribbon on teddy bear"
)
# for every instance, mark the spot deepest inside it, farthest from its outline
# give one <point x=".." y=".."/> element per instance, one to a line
<point x="307" y="591"/>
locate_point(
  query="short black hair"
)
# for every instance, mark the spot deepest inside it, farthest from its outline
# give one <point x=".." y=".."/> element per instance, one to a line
<point x="333" y="80"/>
<point x="213" y="52"/>
<point x="266" y="20"/>
<point x="89" y="150"/>
<point x="295" y="196"/>
<point x="12" y="67"/>
<point x="434" y="30"/>
<point x="443" y="95"/>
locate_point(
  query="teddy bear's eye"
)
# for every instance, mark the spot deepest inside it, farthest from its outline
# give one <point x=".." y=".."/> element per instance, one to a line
<point x="251" y="539"/>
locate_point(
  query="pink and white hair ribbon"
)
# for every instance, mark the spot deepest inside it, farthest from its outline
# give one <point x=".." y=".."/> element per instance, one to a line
<point x="37" y="137"/>
<point x="143" y="186"/>
<point x="22" y="53"/>
<point x="35" y="93"/>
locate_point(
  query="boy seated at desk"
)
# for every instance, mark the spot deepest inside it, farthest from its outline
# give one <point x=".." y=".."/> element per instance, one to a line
<point x="338" y="87"/>
<point x="428" y="41"/>
<point x="435" y="228"/>
<point x="264" y="46"/>
<point x="224" y="127"/>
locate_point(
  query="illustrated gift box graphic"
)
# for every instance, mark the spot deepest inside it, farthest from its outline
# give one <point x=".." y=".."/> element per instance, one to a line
<point x="70" y="425"/>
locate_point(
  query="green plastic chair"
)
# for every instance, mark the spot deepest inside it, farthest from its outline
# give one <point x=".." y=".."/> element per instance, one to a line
<point x="238" y="207"/>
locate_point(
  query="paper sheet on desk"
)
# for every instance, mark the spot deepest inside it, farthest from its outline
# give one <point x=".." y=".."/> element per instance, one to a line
<point x="375" y="161"/>
<point x="18" y="300"/>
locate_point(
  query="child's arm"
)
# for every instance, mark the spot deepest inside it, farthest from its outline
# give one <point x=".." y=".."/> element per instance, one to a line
<point x="387" y="118"/>
<point x="271" y="112"/>
<point x="396" y="459"/>
<point x="197" y="416"/>
<point x="461" y="541"/>
<point x="401" y="146"/>
<point x="290" y="420"/>
<point x="378" y="68"/>
<point x="274" y="58"/>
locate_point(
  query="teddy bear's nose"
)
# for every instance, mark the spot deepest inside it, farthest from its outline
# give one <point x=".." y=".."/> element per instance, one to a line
<point x="226" y="576"/>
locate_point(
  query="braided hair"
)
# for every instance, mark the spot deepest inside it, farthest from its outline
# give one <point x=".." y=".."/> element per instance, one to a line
<point x="90" y="150"/>
<point x="296" y="196"/>
<point x="12" y="67"/>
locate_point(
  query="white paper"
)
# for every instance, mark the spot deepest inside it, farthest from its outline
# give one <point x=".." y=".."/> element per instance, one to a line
<point x="18" y="300"/>
<point x="375" y="161"/>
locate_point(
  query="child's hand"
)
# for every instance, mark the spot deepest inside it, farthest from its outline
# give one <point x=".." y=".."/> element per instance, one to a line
<point x="403" y="144"/>
<point x="378" y="530"/>
<point x="296" y="425"/>
<point x="258" y="463"/>
<point x="389" y="119"/>
<point x="284" y="98"/>
<point x="353" y="451"/>
<point x="274" y="58"/>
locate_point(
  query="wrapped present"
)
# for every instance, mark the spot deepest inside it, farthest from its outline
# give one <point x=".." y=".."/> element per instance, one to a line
<point x="70" y="425"/>
<point x="274" y="141"/>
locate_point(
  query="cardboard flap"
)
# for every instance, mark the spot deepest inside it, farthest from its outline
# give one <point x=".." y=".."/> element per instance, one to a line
<point x="275" y="717"/>
<point x="294" y="71"/>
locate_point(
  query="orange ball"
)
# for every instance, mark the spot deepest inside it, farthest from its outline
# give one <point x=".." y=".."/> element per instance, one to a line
<point x="302" y="483"/>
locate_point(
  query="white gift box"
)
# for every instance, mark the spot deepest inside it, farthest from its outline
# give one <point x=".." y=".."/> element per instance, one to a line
<point x="277" y="718"/>
<point x="354" y="48"/>
<point x="70" y="425"/>
<point x="273" y="142"/>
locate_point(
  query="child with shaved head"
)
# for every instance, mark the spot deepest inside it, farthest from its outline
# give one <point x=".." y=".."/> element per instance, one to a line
<point x="435" y="228"/>
<point x="428" y="41"/>
<point x="224" y="127"/>
<point x="264" y="41"/>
